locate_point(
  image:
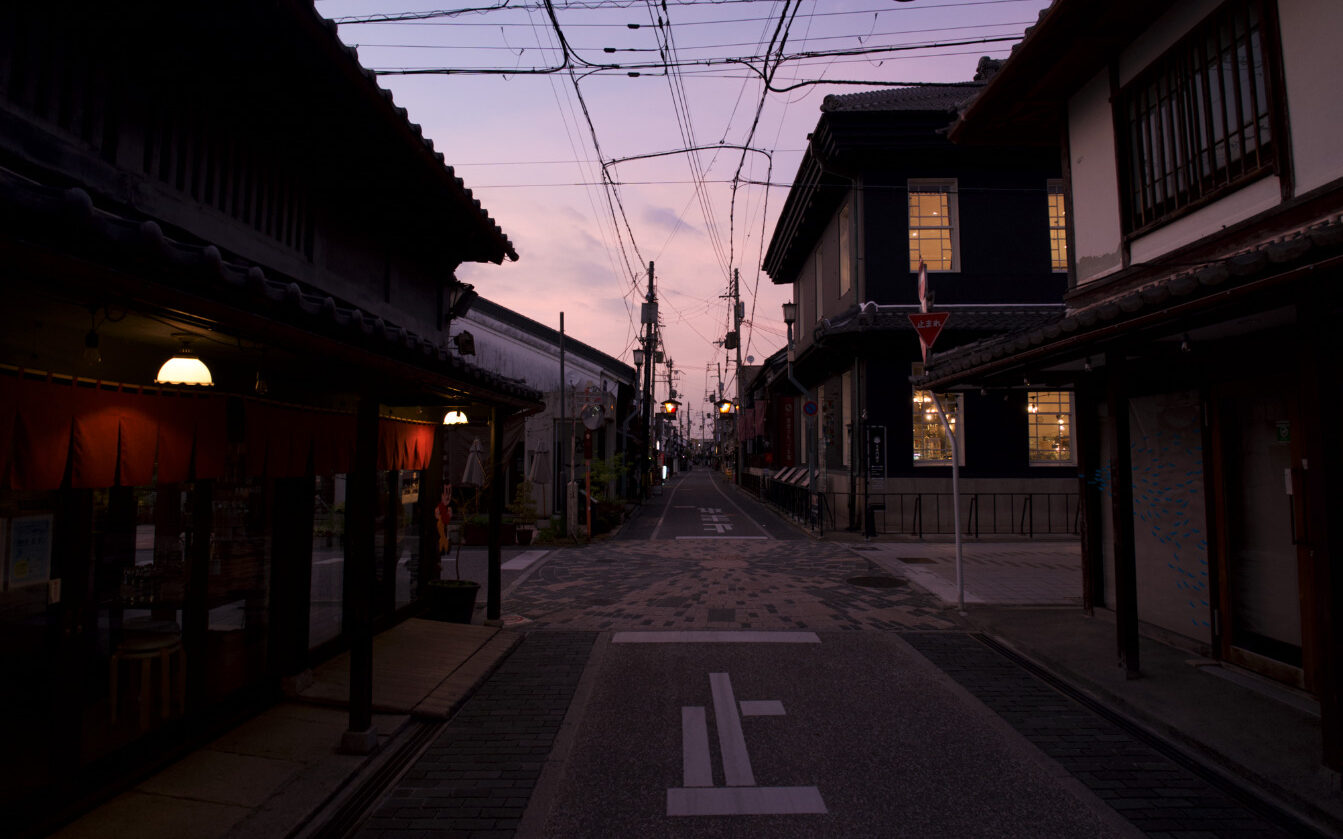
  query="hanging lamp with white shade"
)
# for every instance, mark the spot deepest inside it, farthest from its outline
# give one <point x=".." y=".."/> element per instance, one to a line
<point x="184" y="368"/>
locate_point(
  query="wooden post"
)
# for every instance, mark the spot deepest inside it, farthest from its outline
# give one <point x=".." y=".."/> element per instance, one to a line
<point x="1087" y="433"/>
<point x="493" y="575"/>
<point x="1322" y="453"/>
<point x="361" y="498"/>
<point x="1121" y="494"/>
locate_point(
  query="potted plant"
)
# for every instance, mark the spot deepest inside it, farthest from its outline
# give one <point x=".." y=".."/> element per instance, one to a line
<point x="524" y="512"/>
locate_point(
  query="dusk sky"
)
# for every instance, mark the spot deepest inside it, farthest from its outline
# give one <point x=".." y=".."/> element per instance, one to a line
<point x="529" y="147"/>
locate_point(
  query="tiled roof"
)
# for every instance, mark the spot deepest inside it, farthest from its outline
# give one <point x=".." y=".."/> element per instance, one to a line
<point x="1281" y="254"/>
<point x="67" y="220"/>
<point x="942" y="97"/>
<point x="871" y="317"/>
<point x="399" y="114"/>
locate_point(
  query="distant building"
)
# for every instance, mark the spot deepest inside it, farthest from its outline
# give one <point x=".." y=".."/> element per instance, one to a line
<point x="881" y="190"/>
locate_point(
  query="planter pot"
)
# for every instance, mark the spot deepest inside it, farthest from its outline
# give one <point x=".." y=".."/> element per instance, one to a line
<point x="453" y="601"/>
<point x="524" y="535"/>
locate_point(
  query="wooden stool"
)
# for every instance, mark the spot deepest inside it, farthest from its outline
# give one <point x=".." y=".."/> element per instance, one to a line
<point x="145" y="647"/>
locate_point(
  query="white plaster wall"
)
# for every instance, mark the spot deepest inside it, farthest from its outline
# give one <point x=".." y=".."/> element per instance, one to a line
<point x="1095" y="181"/>
<point x="1313" y="65"/>
<point x="1242" y="204"/>
<point x="1161" y="35"/>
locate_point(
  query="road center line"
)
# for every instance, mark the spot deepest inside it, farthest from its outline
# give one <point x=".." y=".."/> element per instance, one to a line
<point x="731" y="741"/>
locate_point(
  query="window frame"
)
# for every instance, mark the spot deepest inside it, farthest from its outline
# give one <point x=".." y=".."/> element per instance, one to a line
<point x="1034" y="400"/>
<point x="1175" y="96"/>
<point x="943" y="186"/>
<point x="1058" y="233"/>
<point x="919" y="424"/>
<point x="845" y="249"/>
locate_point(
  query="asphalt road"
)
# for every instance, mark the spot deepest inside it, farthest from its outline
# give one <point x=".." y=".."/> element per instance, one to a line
<point x="799" y="713"/>
<point x="857" y="736"/>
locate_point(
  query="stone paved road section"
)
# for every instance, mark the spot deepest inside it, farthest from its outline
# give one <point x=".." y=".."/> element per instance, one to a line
<point x="475" y="781"/>
<point x="1153" y="792"/>
<point x="729" y="584"/>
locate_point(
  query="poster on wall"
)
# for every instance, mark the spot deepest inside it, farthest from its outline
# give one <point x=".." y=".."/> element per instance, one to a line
<point x="29" y="551"/>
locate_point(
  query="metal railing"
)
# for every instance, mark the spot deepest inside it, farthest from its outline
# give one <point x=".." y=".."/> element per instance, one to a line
<point x="1026" y="514"/>
<point x="920" y="514"/>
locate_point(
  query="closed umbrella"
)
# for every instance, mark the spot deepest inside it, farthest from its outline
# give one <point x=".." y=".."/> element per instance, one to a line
<point x="539" y="472"/>
<point x="474" y="476"/>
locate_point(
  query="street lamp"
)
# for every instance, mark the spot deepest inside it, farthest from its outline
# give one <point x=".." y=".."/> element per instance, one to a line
<point x="790" y="318"/>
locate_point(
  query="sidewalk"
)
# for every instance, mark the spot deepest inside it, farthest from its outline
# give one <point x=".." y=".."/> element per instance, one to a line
<point x="1027" y="595"/>
<point x="270" y="775"/>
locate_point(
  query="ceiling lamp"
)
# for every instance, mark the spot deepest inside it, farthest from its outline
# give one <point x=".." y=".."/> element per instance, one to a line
<point x="456" y="416"/>
<point x="184" y="368"/>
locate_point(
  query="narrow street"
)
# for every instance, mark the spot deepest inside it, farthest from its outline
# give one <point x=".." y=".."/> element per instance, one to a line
<point x="712" y="671"/>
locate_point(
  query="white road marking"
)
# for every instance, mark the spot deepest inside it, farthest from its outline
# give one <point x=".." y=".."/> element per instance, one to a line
<point x="744" y="801"/>
<point x="731" y="740"/>
<point x="725" y="536"/>
<point x="740" y="797"/>
<point x="521" y="561"/>
<point x="716" y="636"/>
<point x="761" y="708"/>
<point x="695" y="765"/>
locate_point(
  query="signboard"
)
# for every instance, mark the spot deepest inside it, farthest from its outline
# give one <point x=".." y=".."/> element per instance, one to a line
<point x="809" y="408"/>
<point x="876" y="453"/>
<point x="787" y="433"/>
<point x="29" y="551"/>
<point x="929" y="326"/>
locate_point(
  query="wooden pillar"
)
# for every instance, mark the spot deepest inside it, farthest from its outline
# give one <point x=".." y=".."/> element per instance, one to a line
<point x="391" y="547"/>
<point x="196" y="610"/>
<point x="1322" y="541"/>
<point x="1121" y="495"/>
<point x="291" y="574"/>
<point x="360" y="582"/>
<point x="1089" y="461"/>
<point x="497" y="490"/>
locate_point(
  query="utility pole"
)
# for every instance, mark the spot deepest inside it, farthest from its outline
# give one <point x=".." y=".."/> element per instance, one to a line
<point x="649" y="316"/>
<point x="554" y="442"/>
<point x="737" y="312"/>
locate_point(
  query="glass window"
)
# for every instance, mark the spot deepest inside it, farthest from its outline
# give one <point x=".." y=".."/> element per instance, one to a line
<point x="1198" y="119"/>
<point x="820" y="285"/>
<point x="932" y="225"/>
<point x="931" y="444"/>
<point x="1058" y="228"/>
<point x="1050" y="421"/>
<point x="845" y="251"/>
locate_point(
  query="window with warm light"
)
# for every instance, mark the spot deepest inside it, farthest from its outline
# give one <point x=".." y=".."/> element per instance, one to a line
<point x="932" y="225"/>
<point x="1058" y="228"/>
<point x="1049" y="418"/>
<point x="931" y="444"/>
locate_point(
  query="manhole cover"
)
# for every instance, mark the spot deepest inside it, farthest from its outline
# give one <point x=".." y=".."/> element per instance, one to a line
<point x="876" y="582"/>
<point x="917" y="560"/>
<point x="861" y="548"/>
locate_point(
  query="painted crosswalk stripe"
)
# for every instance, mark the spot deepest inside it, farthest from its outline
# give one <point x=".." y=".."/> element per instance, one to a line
<point x="716" y="636"/>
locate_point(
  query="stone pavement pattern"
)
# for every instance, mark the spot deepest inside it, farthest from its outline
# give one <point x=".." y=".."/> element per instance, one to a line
<point x="1158" y="796"/>
<point x="474" y="782"/>
<point x="729" y="584"/>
